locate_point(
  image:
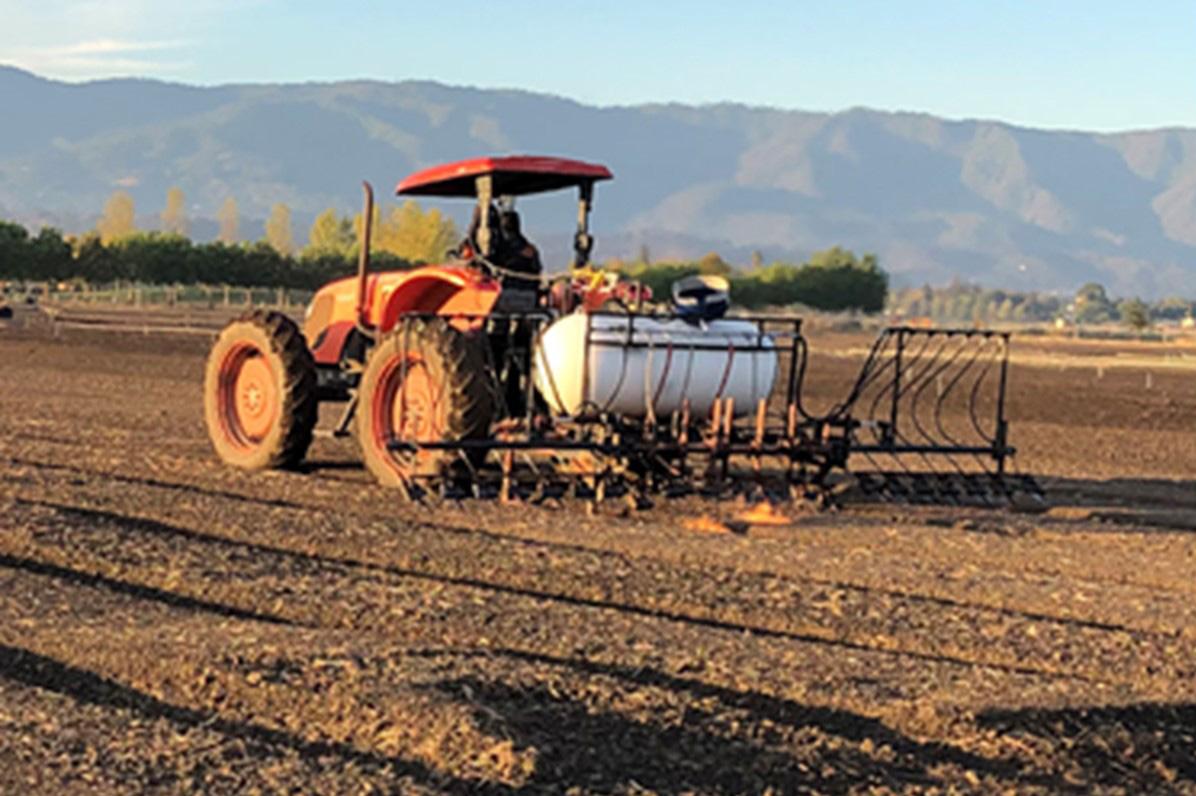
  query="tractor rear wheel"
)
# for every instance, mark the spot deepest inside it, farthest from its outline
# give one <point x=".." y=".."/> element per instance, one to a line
<point x="424" y="382"/>
<point x="260" y="400"/>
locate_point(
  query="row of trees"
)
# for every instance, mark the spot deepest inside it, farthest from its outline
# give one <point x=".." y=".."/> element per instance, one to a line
<point x="406" y="231"/>
<point x="834" y="280"/>
<point x="164" y="258"/>
<point x="117" y="250"/>
<point x="119" y="217"/>
<point x="831" y="280"/>
<point x="961" y="302"/>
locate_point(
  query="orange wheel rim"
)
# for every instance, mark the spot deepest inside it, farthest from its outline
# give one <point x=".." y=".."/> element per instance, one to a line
<point x="407" y="408"/>
<point x="248" y="396"/>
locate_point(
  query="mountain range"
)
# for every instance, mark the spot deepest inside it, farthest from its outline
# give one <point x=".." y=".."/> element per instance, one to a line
<point x="936" y="199"/>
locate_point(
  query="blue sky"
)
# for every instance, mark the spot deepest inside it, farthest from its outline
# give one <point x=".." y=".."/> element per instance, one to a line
<point x="1052" y="63"/>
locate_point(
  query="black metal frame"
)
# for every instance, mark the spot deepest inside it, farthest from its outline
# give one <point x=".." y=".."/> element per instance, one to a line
<point x="920" y="426"/>
<point x="889" y="432"/>
<point x="908" y="451"/>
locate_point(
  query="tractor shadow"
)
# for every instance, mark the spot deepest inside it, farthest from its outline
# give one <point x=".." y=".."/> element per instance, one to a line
<point x="707" y="738"/>
<point x="261" y="743"/>
<point x="156" y="483"/>
<point x="713" y="739"/>
<point x="1148" y="747"/>
<point x="313" y="466"/>
<point x="1155" y="504"/>
<point x="1114" y="505"/>
<point x="579" y="749"/>
<point x="136" y="590"/>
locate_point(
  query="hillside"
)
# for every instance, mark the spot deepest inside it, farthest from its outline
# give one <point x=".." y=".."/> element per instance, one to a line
<point x="984" y="201"/>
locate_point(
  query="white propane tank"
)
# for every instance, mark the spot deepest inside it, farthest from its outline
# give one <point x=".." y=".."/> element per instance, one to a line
<point x="637" y="360"/>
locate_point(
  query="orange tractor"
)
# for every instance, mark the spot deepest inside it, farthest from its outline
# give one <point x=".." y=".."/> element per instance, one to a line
<point x="476" y="378"/>
<point x="402" y="348"/>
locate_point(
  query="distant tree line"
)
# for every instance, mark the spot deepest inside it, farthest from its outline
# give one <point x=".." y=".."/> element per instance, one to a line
<point x="403" y="235"/>
<point x="117" y="250"/>
<point x="161" y="258"/>
<point x="835" y="279"/>
<point x="961" y="302"/>
<point x="832" y="280"/>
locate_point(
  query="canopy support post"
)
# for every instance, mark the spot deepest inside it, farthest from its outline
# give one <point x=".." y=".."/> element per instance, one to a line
<point x="583" y="242"/>
<point x="485" y="190"/>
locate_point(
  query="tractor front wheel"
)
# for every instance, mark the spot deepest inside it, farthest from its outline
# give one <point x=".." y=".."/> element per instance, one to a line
<point x="260" y="400"/>
<point x="424" y="382"/>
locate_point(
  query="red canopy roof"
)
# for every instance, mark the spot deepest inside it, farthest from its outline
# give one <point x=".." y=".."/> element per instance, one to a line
<point x="513" y="176"/>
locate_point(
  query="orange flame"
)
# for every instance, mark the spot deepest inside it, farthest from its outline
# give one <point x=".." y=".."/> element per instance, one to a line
<point x="764" y="513"/>
<point x="704" y="524"/>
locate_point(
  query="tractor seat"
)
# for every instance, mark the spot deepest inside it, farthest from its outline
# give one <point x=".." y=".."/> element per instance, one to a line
<point x="702" y="297"/>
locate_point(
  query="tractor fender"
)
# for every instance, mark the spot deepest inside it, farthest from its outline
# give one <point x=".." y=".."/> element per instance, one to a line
<point x="330" y="342"/>
<point x="441" y="290"/>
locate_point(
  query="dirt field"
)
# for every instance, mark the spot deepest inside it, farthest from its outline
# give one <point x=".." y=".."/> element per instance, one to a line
<point x="170" y="625"/>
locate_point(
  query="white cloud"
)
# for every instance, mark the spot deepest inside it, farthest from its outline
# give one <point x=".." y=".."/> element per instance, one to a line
<point x="108" y="47"/>
<point x="97" y="58"/>
<point x="81" y="39"/>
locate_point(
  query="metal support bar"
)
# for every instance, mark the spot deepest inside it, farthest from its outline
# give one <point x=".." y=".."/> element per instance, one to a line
<point x="485" y="191"/>
<point x="583" y="242"/>
<point x="363" y="261"/>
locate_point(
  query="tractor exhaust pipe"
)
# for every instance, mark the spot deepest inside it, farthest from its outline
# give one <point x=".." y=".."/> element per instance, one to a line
<point x="363" y="259"/>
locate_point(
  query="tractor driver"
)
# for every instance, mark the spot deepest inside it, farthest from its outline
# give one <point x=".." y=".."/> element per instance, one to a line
<point x="516" y="253"/>
<point x="512" y="252"/>
<point x="520" y="266"/>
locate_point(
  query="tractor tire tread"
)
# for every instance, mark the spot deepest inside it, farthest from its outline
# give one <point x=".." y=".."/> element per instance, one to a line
<point x="462" y="364"/>
<point x="299" y="407"/>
